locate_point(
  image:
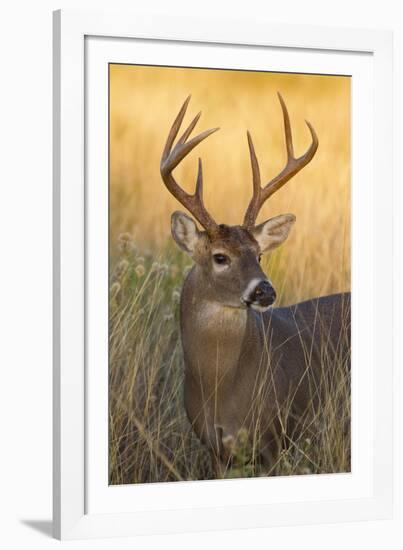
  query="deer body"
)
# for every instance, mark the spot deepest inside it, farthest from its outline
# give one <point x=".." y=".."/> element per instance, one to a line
<point x="232" y="354"/>
<point x="244" y="360"/>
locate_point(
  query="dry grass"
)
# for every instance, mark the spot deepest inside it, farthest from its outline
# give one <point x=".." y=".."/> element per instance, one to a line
<point x="150" y="438"/>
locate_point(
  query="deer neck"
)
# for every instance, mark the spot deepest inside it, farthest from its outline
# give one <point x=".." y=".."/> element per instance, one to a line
<point x="213" y="333"/>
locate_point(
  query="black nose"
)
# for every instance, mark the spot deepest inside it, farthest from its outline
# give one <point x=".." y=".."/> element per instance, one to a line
<point x="264" y="294"/>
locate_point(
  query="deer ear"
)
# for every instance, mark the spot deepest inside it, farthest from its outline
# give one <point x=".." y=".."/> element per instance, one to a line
<point x="273" y="232"/>
<point x="184" y="231"/>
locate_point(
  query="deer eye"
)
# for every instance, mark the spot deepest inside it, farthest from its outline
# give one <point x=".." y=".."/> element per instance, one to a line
<point x="221" y="259"/>
<point x="260" y="257"/>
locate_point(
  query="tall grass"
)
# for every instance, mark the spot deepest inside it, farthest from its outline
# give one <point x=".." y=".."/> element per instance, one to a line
<point x="150" y="436"/>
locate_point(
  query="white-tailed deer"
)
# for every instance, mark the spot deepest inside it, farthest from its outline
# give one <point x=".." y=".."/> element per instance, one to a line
<point x="245" y="360"/>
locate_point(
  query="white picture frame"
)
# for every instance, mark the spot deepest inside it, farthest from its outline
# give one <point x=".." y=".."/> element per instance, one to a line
<point x="84" y="505"/>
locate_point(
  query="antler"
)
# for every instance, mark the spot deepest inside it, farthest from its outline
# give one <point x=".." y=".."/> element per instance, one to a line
<point x="172" y="156"/>
<point x="293" y="165"/>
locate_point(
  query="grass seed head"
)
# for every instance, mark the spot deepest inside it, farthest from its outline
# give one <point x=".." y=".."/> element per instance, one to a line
<point x="140" y="270"/>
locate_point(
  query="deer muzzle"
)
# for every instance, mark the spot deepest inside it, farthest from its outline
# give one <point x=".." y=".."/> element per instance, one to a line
<point x="259" y="295"/>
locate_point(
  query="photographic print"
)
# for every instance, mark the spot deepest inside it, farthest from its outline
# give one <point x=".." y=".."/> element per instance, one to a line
<point x="229" y="274"/>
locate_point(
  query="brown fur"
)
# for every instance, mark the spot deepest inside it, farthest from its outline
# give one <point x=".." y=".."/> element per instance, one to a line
<point x="242" y="366"/>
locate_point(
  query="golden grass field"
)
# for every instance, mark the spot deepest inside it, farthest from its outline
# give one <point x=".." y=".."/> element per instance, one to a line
<point x="150" y="438"/>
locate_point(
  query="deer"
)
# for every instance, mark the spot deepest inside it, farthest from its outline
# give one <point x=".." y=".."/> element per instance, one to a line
<point x="245" y="359"/>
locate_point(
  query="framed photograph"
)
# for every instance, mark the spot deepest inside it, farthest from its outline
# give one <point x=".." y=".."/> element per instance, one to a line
<point x="223" y="283"/>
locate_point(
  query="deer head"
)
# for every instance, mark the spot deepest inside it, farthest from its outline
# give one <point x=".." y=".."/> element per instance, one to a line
<point x="229" y="256"/>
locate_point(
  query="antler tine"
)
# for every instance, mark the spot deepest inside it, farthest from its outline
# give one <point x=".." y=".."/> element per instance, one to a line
<point x="172" y="156"/>
<point x="255" y="165"/>
<point x="189" y="129"/>
<point x="287" y="128"/>
<point x="181" y="150"/>
<point x="292" y="167"/>
<point x="175" y="129"/>
<point x="199" y="181"/>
